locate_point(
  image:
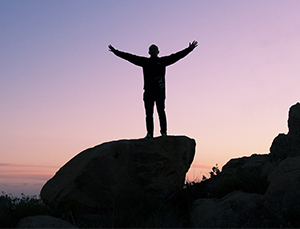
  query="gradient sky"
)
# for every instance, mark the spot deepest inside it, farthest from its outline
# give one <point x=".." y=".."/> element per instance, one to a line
<point x="62" y="91"/>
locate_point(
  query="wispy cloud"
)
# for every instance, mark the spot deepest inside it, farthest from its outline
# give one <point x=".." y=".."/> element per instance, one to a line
<point x="13" y="173"/>
<point x="27" y="166"/>
<point x="14" y="177"/>
<point x="22" y="178"/>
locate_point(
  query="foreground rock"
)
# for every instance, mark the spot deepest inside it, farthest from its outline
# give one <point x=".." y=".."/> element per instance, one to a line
<point x="222" y="212"/>
<point x="43" y="221"/>
<point x="100" y="176"/>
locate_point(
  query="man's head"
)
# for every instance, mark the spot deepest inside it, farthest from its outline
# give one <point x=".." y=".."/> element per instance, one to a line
<point x="153" y="50"/>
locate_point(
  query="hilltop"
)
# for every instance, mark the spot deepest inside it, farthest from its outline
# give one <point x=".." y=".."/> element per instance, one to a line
<point x="140" y="183"/>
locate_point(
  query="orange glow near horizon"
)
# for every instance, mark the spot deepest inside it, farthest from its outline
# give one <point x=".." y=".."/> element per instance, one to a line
<point x="27" y="178"/>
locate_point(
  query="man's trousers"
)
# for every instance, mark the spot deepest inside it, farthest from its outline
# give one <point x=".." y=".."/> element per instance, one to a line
<point x="157" y="97"/>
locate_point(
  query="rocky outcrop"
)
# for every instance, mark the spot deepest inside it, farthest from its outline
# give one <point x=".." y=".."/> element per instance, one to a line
<point x="255" y="191"/>
<point x="100" y="176"/>
<point x="294" y="120"/>
<point x="288" y="145"/>
<point x="249" y="174"/>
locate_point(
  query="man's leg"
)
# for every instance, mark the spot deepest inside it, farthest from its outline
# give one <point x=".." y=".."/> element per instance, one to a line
<point x="160" y="105"/>
<point x="149" y="105"/>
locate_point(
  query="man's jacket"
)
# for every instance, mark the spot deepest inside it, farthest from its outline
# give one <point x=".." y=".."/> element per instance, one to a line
<point x="154" y="68"/>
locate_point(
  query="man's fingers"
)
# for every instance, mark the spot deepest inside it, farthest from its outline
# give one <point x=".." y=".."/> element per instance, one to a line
<point x="193" y="45"/>
<point x="111" y="48"/>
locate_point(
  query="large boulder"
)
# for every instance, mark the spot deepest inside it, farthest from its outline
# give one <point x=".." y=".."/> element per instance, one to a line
<point x="97" y="177"/>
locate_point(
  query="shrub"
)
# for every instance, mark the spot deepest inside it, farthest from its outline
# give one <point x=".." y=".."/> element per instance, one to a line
<point x="12" y="209"/>
<point x="213" y="173"/>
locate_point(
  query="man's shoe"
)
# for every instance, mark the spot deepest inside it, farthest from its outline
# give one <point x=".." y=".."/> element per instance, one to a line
<point x="164" y="134"/>
<point x="148" y="136"/>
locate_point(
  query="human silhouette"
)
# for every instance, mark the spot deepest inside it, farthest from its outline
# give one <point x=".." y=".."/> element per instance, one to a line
<point x="154" y="70"/>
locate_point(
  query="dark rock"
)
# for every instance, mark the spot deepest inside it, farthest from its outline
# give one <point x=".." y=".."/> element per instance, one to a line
<point x="294" y="120"/>
<point x="111" y="172"/>
<point x="285" y="178"/>
<point x="288" y="145"/>
<point x="248" y="174"/>
<point x="43" y="221"/>
<point x="270" y="195"/>
<point x="221" y="213"/>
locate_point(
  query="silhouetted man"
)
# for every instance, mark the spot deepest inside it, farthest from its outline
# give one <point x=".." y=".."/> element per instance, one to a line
<point x="154" y="70"/>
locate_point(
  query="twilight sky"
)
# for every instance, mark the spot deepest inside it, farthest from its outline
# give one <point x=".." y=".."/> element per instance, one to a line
<point x="62" y="91"/>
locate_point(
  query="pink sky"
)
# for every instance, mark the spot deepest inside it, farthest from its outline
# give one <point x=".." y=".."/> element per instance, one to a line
<point x="62" y="91"/>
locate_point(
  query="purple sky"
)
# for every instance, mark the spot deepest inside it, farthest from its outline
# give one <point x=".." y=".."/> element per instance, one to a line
<point x="62" y="91"/>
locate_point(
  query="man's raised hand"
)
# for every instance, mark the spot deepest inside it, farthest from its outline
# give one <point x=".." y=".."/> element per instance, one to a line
<point x="193" y="45"/>
<point x="111" y="48"/>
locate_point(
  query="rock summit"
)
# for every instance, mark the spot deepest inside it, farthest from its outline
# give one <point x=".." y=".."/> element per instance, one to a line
<point x="98" y="176"/>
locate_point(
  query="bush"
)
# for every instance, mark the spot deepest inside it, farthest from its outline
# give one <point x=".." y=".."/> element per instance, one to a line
<point x="12" y="209"/>
<point x="213" y="173"/>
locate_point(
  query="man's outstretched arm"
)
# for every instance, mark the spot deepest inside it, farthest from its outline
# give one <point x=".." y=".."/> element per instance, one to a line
<point x="137" y="60"/>
<point x="179" y="55"/>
